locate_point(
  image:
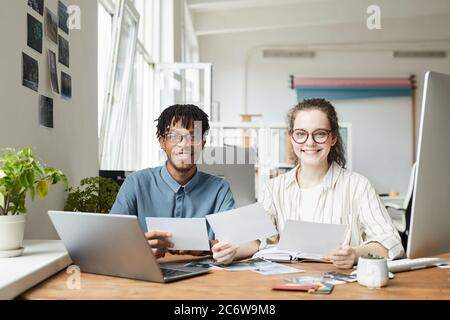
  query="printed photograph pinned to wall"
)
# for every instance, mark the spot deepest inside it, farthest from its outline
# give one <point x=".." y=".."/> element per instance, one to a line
<point x="34" y="37"/>
<point x="66" y="86"/>
<point x="53" y="71"/>
<point x="37" y="5"/>
<point x="63" y="54"/>
<point x="51" y="26"/>
<point x="30" y="72"/>
<point x="63" y="17"/>
<point x="45" y="112"/>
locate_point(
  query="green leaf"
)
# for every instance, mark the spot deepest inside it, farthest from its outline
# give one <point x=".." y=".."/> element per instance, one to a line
<point x="42" y="189"/>
<point x="32" y="192"/>
<point x="24" y="181"/>
<point x="31" y="178"/>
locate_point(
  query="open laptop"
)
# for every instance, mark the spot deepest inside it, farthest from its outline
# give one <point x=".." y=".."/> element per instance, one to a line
<point x="113" y="245"/>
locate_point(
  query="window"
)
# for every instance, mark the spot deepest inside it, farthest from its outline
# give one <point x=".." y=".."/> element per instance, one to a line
<point x="105" y="20"/>
<point x="126" y="71"/>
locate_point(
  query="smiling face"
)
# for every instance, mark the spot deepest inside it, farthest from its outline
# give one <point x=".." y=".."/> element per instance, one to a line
<point x="311" y="153"/>
<point x="182" y="155"/>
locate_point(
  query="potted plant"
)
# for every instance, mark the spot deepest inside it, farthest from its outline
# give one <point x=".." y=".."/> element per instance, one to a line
<point x="20" y="174"/>
<point x="372" y="271"/>
<point x="94" y="195"/>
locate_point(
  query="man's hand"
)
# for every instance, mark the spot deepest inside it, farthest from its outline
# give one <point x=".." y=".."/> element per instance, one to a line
<point x="224" y="253"/>
<point x="343" y="258"/>
<point x="159" y="241"/>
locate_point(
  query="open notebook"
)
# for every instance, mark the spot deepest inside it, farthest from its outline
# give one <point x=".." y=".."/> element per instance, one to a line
<point x="275" y="255"/>
<point x="300" y="241"/>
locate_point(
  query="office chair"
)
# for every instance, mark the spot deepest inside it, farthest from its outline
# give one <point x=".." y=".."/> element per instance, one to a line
<point x="404" y="210"/>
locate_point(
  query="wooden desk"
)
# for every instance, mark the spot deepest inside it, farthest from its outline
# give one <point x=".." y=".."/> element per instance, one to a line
<point x="432" y="283"/>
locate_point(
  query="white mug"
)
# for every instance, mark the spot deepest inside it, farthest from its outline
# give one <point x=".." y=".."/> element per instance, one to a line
<point x="372" y="273"/>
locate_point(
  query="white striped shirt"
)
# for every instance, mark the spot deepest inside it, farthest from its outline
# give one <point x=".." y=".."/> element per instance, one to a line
<point x="346" y="198"/>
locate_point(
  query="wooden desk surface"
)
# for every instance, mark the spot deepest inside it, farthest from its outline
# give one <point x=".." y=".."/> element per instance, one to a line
<point x="432" y="283"/>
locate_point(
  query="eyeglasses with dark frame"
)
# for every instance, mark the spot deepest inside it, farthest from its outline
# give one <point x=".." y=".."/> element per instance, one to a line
<point x="175" y="138"/>
<point x="320" y="136"/>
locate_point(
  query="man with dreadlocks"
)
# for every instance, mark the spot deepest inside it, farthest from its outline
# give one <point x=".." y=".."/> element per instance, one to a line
<point x="176" y="189"/>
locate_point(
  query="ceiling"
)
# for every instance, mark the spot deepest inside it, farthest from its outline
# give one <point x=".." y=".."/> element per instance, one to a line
<point x="268" y="20"/>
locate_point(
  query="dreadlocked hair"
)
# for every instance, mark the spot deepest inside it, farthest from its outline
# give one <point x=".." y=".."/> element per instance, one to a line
<point x="186" y="113"/>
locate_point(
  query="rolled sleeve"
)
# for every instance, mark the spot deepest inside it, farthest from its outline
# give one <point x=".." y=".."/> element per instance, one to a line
<point x="376" y="224"/>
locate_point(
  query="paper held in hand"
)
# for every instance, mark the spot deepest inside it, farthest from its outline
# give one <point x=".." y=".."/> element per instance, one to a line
<point x="242" y="225"/>
<point x="305" y="241"/>
<point x="187" y="233"/>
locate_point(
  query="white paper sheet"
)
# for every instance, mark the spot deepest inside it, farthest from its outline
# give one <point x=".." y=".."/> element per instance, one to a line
<point x="311" y="238"/>
<point x="242" y="225"/>
<point x="187" y="233"/>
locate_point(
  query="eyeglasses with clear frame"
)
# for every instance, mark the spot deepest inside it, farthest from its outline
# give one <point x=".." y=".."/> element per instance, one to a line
<point x="320" y="136"/>
<point x="176" y="138"/>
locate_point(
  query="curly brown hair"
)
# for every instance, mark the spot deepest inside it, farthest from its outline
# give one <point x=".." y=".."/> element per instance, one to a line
<point x="337" y="153"/>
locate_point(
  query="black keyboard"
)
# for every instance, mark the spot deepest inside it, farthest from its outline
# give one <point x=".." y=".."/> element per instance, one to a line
<point x="168" y="273"/>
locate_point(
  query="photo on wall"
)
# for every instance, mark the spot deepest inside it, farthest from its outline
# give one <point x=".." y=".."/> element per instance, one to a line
<point x="64" y="55"/>
<point x="63" y="17"/>
<point x="30" y="72"/>
<point x="45" y="112"/>
<point x="66" y="86"/>
<point x="53" y="71"/>
<point x="51" y="26"/>
<point x="37" y="5"/>
<point x="34" y="37"/>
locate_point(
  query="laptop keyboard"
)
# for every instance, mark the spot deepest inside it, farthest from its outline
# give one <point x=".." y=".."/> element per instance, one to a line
<point x="168" y="273"/>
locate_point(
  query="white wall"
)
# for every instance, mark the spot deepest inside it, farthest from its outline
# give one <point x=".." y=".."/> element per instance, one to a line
<point x="72" y="145"/>
<point x="342" y="50"/>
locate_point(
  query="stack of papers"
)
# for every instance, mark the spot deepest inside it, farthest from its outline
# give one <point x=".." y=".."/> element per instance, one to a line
<point x="256" y="265"/>
<point x="262" y="266"/>
<point x="334" y="278"/>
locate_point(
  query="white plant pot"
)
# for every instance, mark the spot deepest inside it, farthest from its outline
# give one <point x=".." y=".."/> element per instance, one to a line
<point x="12" y="229"/>
<point x="372" y="273"/>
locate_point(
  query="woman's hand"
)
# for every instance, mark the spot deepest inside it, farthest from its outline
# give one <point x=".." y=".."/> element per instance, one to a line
<point x="343" y="258"/>
<point x="224" y="253"/>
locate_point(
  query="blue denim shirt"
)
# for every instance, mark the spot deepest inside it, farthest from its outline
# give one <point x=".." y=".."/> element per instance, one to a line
<point x="154" y="193"/>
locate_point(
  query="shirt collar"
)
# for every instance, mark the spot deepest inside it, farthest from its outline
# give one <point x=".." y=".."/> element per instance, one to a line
<point x="292" y="176"/>
<point x="193" y="182"/>
<point x="328" y="181"/>
<point x="175" y="186"/>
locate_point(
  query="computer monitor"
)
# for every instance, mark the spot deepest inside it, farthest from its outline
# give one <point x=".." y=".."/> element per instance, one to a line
<point x="118" y="176"/>
<point x="240" y="174"/>
<point x="429" y="232"/>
